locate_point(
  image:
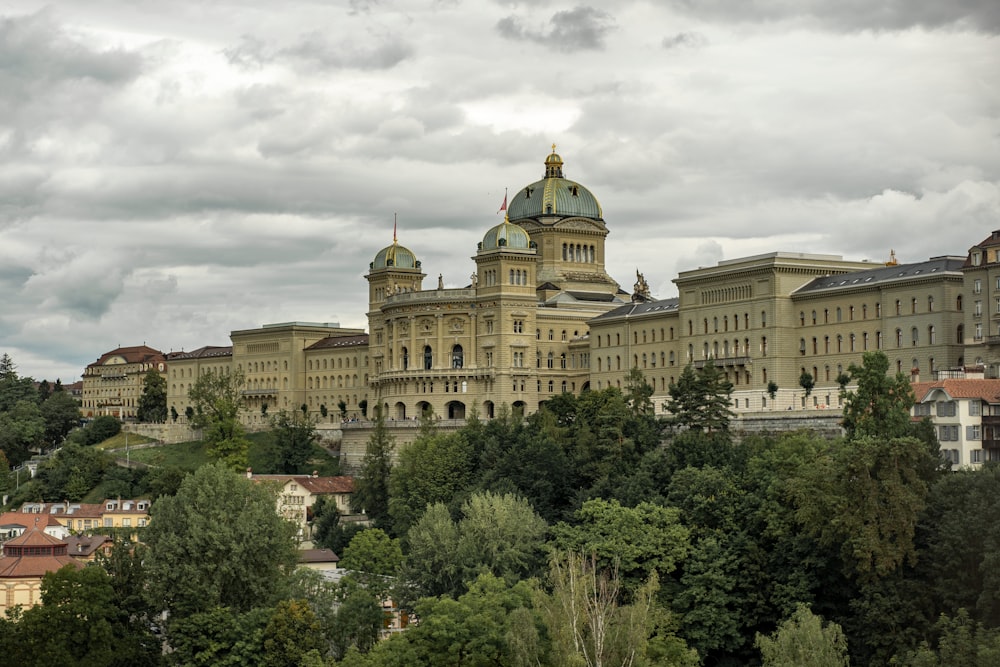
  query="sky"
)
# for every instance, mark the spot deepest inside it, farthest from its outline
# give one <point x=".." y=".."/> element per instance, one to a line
<point x="174" y="171"/>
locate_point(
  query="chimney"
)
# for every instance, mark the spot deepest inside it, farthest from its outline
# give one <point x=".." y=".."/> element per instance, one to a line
<point x="315" y="473"/>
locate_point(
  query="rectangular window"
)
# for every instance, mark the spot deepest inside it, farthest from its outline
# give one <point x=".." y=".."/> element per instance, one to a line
<point x="922" y="410"/>
<point x="975" y="408"/>
<point x="973" y="432"/>
<point x="976" y="456"/>
<point x="946" y="409"/>
<point x="977" y="286"/>
<point x="108" y="522"/>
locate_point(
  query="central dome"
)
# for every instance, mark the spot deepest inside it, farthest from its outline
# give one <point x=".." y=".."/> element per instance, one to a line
<point x="554" y="195"/>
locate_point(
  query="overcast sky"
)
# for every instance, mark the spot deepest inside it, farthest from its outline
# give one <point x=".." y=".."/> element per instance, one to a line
<point x="172" y="171"/>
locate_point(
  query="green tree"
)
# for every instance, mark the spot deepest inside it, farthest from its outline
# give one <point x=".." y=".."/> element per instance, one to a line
<point x="961" y="552"/>
<point x="638" y="393"/>
<point x="865" y="497"/>
<point x="588" y="624"/>
<point x="807" y="382"/>
<point x="101" y="429"/>
<point x="493" y="624"/>
<point x="218" y="543"/>
<point x="173" y="414"/>
<point x="804" y="641"/>
<point x="372" y="551"/>
<point x="293" y="437"/>
<point x="636" y="541"/>
<point x="363" y="405"/>
<point x="152" y="406"/>
<point x="436" y="467"/>
<point x="342" y="408"/>
<point x="880" y="406"/>
<point x="77" y="623"/>
<point x="13" y="388"/>
<point x="292" y="631"/>
<point x="61" y="414"/>
<point x="772" y="389"/>
<point x="72" y="472"/>
<point x="501" y="534"/>
<point x="701" y="399"/>
<point x="359" y="618"/>
<point x="371" y="492"/>
<point x="22" y="429"/>
<point x="217" y="399"/>
<point x="961" y="643"/>
<point x="44" y="390"/>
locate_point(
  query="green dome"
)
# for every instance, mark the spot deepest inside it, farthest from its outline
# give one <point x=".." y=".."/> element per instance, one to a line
<point x="506" y="235"/>
<point x="395" y="256"/>
<point x="554" y="195"/>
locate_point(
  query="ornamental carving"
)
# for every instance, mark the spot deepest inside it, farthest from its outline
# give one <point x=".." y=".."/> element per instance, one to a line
<point x="403" y="326"/>
<point x="426" y="325"/>
<point x="456" y="325"/>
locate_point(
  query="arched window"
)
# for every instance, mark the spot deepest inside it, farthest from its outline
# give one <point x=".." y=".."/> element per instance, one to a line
<point x="457" y="357"/>
<point x="914" y="336"/>
<point x="931" y="335"/>
<point x="549" y="360"/>
<point x="428" y="357"/>
<point x="405" y="354"/>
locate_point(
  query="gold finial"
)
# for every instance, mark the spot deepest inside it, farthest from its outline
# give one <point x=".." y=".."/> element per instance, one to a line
<point x="892" y="259"/>
<point x="553" y="148"/>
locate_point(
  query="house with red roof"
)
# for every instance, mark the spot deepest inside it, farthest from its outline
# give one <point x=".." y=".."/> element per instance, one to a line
<point x="298" y="493"/>
<point x="25" y="560"/>
<point x="966" y="415"/>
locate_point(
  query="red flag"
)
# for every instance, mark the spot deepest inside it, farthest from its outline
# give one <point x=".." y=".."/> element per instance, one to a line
<point x="503" y="206"/>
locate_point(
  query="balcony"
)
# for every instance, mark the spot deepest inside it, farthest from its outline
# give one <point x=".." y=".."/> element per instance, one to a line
<point x="436" y="373"/>
<point x="725" y="362"/>
<point x="260" y="392"/>
<point x="991" y="431"/>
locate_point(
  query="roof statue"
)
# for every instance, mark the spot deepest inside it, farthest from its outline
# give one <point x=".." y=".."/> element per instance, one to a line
<point x="641" y="289"/>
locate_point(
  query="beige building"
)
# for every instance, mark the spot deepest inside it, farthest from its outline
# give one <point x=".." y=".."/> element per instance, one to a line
<point x="771" y="318"/>
<point x="516" y="335"/>
<point x="113" y="384"/>
<point x="540" y="316"/>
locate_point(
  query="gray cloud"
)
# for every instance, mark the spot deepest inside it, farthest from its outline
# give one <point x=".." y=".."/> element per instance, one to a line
<point x="578" y="29"/>
<point x="691" y="40"/>
<point x="375" y="53"/>
<point x="201" y="189"/>
<point x="34" y="48"/>
<point x="853" y="14"/>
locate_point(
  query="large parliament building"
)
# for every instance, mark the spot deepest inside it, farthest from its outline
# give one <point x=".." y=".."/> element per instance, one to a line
<point x="541" y="316"/>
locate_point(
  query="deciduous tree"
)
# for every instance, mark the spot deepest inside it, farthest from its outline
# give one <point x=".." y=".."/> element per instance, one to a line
<point x="218" y="543"/>
<point x="880" y="406"/>
<point x="217" y="399"/>
<point x="804" y="641"/>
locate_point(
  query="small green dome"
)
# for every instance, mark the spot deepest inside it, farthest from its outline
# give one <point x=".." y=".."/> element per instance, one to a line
<point x="395" y="256"/>
<point x="506" y="235"/>
<point x="554" y="195"/>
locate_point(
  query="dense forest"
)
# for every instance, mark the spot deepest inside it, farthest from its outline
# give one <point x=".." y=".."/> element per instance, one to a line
<point x="590" y="533"/>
